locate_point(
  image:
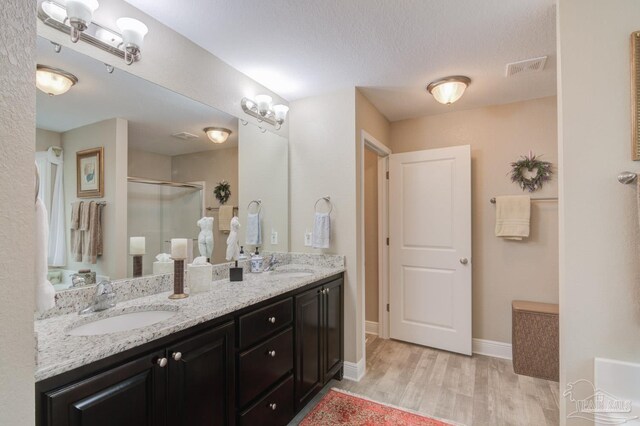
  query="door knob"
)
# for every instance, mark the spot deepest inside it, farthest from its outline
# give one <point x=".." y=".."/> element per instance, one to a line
<point x="464" y="260"/>
<point x="162" y="362"/>
<point x="271" y="353"/>
<point x="177" y="356"/>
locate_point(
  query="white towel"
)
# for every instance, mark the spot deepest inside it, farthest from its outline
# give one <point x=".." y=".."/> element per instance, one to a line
<point x="254" y="230"/>
<point x="45" y="293"/>
<point x="321" y="231"/>
<point x="513" y="214"/>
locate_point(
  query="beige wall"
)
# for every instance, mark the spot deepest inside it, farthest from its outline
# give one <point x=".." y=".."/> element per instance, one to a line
<point x="599" y="268"/>
<point x="112" y="135"/>
<point x="149" y="165"/>
<point x="17" y="194"/>
<point x="210" y="167"/>
<point x="371" y="235"/>
<point x="46" y="139"/>
<point x="502" y="270"/>
<point x="322" y="156"/>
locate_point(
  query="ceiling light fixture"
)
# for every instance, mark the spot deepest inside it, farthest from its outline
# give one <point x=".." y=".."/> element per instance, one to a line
<point x="263" y="109"/>
<point x="74" y="17"/>
<point x="449" y="89"/>
<point x="217" y="134"/>
<point x="54" y="81"/>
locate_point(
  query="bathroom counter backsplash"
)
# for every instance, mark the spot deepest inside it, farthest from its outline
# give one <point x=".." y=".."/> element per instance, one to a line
<point x="58" y="352"/>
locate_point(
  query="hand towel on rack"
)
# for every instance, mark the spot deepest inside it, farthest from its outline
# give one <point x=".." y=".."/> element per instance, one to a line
<point x="45" y="293"/>
<point x="513" y="214"/>
<point x="254" y="229"/>
<point x="77" y="208"/>
<point x="225" y="214"/>
<point x="321" y="237"/>
<point x="91" y="236"/>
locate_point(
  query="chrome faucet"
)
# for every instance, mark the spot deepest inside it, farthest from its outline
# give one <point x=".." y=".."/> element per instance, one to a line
<point x="272" y="263"/>
<point x="104" y="298"/>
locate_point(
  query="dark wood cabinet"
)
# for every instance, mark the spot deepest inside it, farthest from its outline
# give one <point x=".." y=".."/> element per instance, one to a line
<point x="201" y="386"/>
<point x="319" y="339"/>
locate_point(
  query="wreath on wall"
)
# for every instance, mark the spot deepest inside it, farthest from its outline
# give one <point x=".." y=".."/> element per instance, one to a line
<point x="530" y="173"/>
<point x="222" y="191"/>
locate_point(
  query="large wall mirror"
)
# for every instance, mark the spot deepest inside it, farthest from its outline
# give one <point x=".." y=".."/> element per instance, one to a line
<point x="121" y="157"/>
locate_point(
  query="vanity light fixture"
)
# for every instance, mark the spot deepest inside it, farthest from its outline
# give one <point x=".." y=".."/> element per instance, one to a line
<point x="75" y="17"/>
<point x="449" y="89"/>
<point x="263" y="109"/>
<point x="217" y="134"/>
<point x="54" y="81"/>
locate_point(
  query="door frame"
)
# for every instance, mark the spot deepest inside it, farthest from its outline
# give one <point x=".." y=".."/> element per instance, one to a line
<point x="367" y="141"/>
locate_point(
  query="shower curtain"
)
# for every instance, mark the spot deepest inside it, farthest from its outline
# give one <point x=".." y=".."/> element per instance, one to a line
<point x="54" y="203"/>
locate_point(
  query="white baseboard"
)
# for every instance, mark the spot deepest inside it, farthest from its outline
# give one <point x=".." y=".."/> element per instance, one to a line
<point x="492" y="348"/>
<point x="371" y="327"/>
<point x="354" y="371"/>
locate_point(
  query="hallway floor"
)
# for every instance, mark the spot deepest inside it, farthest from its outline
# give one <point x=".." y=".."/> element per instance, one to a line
<point x="477" y="390"/>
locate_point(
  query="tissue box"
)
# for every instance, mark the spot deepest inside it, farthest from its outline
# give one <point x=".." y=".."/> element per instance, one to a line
<point x="162" y="268"/>
<point x="199" y="278"/>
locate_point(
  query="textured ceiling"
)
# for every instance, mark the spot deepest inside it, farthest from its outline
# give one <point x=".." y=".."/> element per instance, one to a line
<point x="389" y="48"/>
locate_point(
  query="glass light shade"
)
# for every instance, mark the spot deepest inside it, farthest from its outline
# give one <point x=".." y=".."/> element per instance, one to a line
<point x="55" y="11"/>
<point x="264" y="104"/>
<point x="217" y="134"/>
<point x="133" y="31"/>
<point x="280" y="112"/>
<point x="81" y="10"/>
<point x="53" y="81"/>
<point x="448" y="90"/>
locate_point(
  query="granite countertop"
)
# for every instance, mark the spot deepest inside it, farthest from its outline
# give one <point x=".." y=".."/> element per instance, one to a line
<point x="58" y="352"/>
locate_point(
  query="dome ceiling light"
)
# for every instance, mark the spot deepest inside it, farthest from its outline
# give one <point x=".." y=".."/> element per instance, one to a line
<point x="217" y="134"/>
<point x="54" y="81"/>
<point x="449" y="89"/>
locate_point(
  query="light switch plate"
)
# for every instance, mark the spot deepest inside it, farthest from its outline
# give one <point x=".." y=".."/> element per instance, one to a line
<point x="274" y="237"/>
<point x="307" y="239"/>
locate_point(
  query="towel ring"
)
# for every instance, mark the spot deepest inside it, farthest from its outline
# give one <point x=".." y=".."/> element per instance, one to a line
<point x="327" y="199"/>
<point x="258" y="202"/>
<point x="37" y="182"/>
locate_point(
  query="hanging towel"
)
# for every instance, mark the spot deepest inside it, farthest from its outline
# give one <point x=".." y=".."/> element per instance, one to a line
<point x="77" y="208"/>
<point x="91" y="236"/>
<point x="513" y="215"/>
<point x="254" y="231"/>
<point x="225" y="213"/>
<point x="45" y="293"/>
<point x="57" y="238"/>
<point x="321" y="231"/>
<point x="99" y="231"/>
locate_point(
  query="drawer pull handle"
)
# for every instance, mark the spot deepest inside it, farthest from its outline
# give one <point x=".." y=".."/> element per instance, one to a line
<point x="273" y="406"/>
<point x="177" y="356"/>
<point x="272" y="320"/>
<point x="271" y="353"/>
<point x="162" y="362"/>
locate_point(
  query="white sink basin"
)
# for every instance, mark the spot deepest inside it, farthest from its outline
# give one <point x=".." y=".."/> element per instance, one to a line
<point x="291" y="274"/>
<point x="122" y="322"/>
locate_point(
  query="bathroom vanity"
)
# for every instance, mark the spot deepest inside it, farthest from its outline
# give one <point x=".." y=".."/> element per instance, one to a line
<point x="246" y="353"/>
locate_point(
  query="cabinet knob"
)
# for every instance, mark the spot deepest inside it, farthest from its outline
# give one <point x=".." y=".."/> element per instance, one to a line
<point x="177" y="356"/>
<point x="272" y="353"/>
<point x="327" y="290"/>
<point x="162" y="362"/>
<point x="272" y="320"/>
<point x="273" y="406"/>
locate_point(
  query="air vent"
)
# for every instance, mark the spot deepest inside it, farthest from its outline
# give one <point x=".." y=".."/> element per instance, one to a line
<point x="527" y="66"/>
<point x="185" y="136"/>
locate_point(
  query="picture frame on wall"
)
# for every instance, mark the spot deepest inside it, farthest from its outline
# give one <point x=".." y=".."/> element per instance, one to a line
<point x="90" y="173"/>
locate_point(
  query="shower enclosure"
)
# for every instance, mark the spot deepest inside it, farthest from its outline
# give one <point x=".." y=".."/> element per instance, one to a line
<point x="160" y="211"/>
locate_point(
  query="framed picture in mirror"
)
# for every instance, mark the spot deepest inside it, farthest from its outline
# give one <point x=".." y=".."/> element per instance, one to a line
<point x="90" y="173"/>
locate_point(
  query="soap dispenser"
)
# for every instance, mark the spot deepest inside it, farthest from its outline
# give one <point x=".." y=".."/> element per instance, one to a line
<point x="243" y="255"/>
<point x="256" y="262"/>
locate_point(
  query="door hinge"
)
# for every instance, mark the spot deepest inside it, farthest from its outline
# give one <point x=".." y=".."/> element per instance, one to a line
<point x="387" y="175"/>
<point x="387" y="307"/>
<point x="387" y="240"/>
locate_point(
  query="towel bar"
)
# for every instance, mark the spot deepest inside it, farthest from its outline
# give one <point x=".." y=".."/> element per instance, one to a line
<point x="493" y="200"/>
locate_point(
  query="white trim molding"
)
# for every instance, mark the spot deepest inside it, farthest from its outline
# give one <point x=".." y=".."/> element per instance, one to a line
<point x="371" y="327"/>
<point x="354" y="371"/>
<point x="492" y="348"/>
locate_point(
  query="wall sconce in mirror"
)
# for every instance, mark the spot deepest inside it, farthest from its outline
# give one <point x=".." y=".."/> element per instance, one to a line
<point x="217" y="134"/>
<point x="263" y="109"/>
<point x="54" y="81"/>
<point x="449" y="89"/>
<point x="75" y="17"/>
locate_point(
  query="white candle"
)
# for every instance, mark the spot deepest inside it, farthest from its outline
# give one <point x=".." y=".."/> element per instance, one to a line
<point x="136" y="245"/>
<point x="179" y="248"/>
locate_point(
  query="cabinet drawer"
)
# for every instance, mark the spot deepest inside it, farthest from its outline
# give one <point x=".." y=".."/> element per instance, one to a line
<point x="259" y="324"/>
<point x="275" y="409"/>
<point x="262" y="366"/>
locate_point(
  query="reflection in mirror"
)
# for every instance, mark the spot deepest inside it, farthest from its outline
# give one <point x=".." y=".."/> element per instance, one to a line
<point x="158" y="170"/>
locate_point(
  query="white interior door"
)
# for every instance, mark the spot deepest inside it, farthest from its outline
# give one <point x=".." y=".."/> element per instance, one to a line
<point x="430" y="248"/>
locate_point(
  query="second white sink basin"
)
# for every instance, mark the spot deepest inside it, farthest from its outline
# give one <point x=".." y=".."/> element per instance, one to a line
<point x="122" y="322"/>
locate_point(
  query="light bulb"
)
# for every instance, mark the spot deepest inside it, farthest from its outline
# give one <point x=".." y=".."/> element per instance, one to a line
<point x="264" y="104"/>
<point x="280" y="112"/>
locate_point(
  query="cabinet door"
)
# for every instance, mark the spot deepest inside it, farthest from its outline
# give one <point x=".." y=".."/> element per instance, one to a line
<point x="332" y="329"/>
<point x="132" y="394"/>
<point x="201" y="379"/>
<point x="308" y="346"/>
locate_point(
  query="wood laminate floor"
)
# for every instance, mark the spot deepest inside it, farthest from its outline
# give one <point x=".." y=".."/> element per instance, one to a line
<point x="477" y="390"/>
